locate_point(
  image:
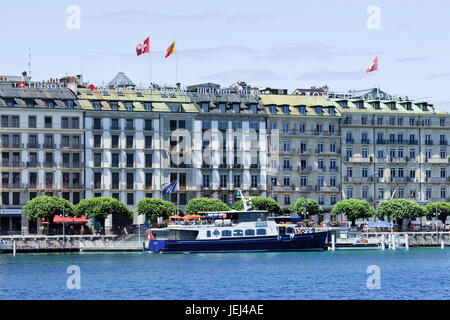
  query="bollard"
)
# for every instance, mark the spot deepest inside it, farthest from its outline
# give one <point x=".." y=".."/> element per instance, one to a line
<point x="333" y="242"/>
<point x="393" y="242"/>
<point x="14" y="248"/>
<point x="382" y="242"/>
<point x="442" y="244"/>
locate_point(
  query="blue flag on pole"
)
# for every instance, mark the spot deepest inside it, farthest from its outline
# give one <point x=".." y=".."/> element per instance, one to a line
<point x="171" y="187"/>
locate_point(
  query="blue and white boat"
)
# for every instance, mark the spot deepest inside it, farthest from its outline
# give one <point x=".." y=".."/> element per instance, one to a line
<point x="240" y="231"/>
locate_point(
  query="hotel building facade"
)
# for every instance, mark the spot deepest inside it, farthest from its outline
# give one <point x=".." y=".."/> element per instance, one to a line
<point x="76" y="143"/>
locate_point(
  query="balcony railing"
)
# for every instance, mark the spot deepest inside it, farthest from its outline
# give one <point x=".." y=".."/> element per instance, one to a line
<point x="71" y="146"/>
<point x="13" y="164"/>
<point x="13" y="185"/>
<point x="75" y="186"/>
<point x="73" y="165"/>
<point x="33" y="164"/>
<point x="11" y="145"/>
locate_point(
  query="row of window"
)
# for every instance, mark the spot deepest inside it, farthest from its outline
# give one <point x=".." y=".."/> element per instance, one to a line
<point x="391" y="105"/>
<point x="240" y="233"/>
<point x="236" y="107"/>
<point x="395" y="172"/>
<point x="320" y="199"/>
<point x="49" y="103"/>
<point x="394" y="121"/>
<point x="14" y="122"/>
<point x="397" y="193"/>
<point x="393" y="153"/>
<point x="302" y="110"/>
<point x="292" y="128"/>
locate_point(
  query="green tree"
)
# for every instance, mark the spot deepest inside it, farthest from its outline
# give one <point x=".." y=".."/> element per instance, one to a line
<point x="45" y="207"/>
<point x="261" y="203"/>
<point x="399" y="209"/>
<point x="443" y="210"/>
<point x="305" y="207"/>
<point x="100" y="208"/>
<point x="194" y="206"/>
<point x="353" y="209"/>
<point x="154" y="208"/>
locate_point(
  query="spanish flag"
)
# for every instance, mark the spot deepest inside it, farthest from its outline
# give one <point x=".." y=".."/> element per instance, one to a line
<point x="171" y="49"/>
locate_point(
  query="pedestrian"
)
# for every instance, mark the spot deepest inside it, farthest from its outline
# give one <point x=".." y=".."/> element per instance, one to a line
<point x="82" y="230"/>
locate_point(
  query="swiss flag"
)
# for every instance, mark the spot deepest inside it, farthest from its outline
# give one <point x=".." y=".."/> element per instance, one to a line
<point x="373" y="66"/>
<point x="143" y="47"/>
<point x="150" y="236"/>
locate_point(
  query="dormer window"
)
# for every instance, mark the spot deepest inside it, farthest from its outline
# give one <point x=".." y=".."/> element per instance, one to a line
<point x="236" y="107"/>
<point x="319" y="110"/>
<point x="344" y="104"/>
<point x="285" y="109"/>
<point x="302" y="110"/>
<point x="408" y="106"/>
<point x="50" y="104"/>
<point x="174" y="108"/>
<point x="147" y="106"/>
<point x="392" y="106"/>
<point x="129" y="106"/>
<point x="69" y="104"/>
<point x="222" y="107"/>
<point x="376" y="105"/>
<point x="97" y="105"/>
<point x="254" y="108"/>
<point x="9" y="102"/>
<point x="331" y="111"/>
<point x="30" y="103"/>
<point x="424" y="107"/>
<point x="205" y="107"/>
<point x="360" y="104"/>
<point x="114" y="105"/>
<point x="272" y="109"/>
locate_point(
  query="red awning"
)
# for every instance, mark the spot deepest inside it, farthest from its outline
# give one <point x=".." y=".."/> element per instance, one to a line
<point x="59" y="219"/>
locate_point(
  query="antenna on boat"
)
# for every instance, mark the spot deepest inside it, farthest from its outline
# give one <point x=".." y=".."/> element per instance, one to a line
<point x="247" y="201"/>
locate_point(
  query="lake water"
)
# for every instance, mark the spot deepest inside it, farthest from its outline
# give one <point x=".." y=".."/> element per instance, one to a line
<point x="414" y="274"/>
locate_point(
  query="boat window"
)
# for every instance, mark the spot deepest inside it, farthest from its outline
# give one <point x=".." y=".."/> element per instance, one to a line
<point x="226" y="233"/>
<point x="238" y="233"/>
<point x="290" y="230"/>
<point x="261" y="232"/>
<point x="249" y="232"/>
<point x="208" y="234"/>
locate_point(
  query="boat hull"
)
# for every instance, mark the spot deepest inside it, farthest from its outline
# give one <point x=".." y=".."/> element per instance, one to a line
<point x="299" y="242"/>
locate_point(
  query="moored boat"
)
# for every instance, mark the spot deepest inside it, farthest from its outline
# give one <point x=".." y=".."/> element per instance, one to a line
<point x="235" y="231"/>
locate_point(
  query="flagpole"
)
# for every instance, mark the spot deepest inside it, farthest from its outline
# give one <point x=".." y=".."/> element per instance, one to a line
<point x="150" y="66"/>
<point x="176" y="63"/>
<point x="378" y="69"/>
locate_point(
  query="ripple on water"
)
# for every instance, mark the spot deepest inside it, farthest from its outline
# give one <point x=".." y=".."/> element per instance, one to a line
<point x="413" y="274"/>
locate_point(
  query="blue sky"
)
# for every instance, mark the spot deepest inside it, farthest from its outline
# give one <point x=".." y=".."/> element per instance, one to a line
<point x="282" y="44"/>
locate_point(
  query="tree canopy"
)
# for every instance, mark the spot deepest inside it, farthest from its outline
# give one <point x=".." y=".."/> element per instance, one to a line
<point x="399" y="209"/>
<point x="306" y="206"/>
<point x="197" y="205"/>
<point x="46" y="207"/>
<point x="261" y="203"/>
<point x="443" y="209"/>
<point x="101" y="207"/>
<point x="353" y="209"/>
<point x="154" y="208"/>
